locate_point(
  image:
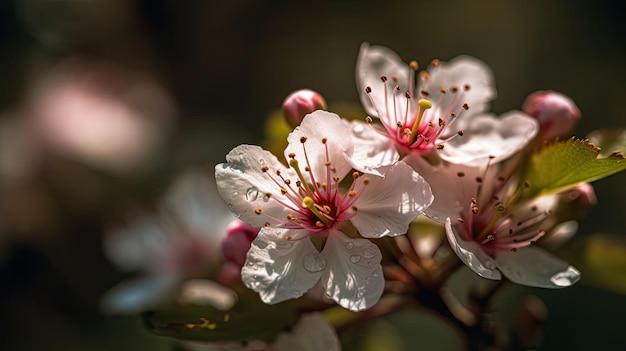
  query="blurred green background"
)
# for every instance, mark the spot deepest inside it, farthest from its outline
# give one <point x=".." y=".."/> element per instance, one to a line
<point x="215" y="70"/>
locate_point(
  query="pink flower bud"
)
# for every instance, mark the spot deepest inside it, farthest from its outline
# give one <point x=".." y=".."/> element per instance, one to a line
<point x="583" y="196"/>
<point x="236" y="243"/>
<point x="556" y="113"/>
<point x="301" y="102"/>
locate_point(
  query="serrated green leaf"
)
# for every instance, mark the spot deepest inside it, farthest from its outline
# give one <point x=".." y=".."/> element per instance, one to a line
<point x="609" y="141"/>
<point x="249" y="319"/>
<point x="564" y="164"/>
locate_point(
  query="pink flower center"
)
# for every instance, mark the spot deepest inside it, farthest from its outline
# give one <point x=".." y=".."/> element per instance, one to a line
<point x="423" y="129"/>
<point x="315" y="204"/>
<point x="498" y="223"/>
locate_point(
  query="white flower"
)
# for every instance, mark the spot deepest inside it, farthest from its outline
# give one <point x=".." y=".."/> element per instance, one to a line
<point x="447" y="105"/>
<point x="301" y="210"/>
<point x="181" y="241"/>
<point x="490" y="231"/>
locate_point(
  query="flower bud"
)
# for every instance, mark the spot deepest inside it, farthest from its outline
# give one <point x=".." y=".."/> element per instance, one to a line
<point x="583" y="196"/>
<point x="301" y="102"/>
<point x="556" y="113"/>
<point x="236" y="243"/>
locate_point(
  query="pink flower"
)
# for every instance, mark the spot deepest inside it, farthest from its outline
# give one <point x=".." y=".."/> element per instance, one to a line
<point x="302" y="208"/>
<point x="490" y="230"/>
<point x="445" y="111"/>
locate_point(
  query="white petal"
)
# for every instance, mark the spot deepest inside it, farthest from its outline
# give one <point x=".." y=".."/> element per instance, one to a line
<point x="205" y="292"/>
<point x="243" y="185"/>
<point x="487" y="136"/>
<point x="311" y="333"/>
<point x="387" y="205"/>
<point x="371" y="149"/>
<point x="534" y="267"/>
<point x="315" y="127"/>
<point x="194" y="200"/>
<point x="472" y="254"/>
<point x="354" y="278"/>
<point x="374" y="62"/>
<point x="136" y="247"/>
<point x="458" y="72"/>
<point x="451" y="193"/>
<point x="560" y="234"/>
<point x="139" y="295"/>
<point x="280" y="269"/>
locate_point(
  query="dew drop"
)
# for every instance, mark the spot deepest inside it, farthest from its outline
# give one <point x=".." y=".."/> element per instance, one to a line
<point x="252" y="193"/>
<point x="314" y="262"/>
<point x="355" y="258"/>
<point x="369" y="252"/>
<point x="266" y="198"/>
<point x="357" y="129"/>
<point x="349" y="246"/>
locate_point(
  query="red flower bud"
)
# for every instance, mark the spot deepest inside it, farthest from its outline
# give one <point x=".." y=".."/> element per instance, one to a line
<point x="556" y="113"/>
<point x="300" y="103"/>
<point x="236" y="243"/>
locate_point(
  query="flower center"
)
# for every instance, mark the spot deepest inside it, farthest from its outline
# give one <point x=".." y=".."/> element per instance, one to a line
<point x="314" y="204"/>
<point x="497" y="222"/>
<point x="421" y="124"/>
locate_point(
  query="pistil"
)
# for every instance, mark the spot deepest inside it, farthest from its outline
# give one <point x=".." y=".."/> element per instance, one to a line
<point x="423" y="106"/>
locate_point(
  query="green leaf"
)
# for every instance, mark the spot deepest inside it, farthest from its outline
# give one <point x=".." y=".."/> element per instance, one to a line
<point x="249" y="319"/>
<point x="565" y="164"/>
<point x="609" y="141"/>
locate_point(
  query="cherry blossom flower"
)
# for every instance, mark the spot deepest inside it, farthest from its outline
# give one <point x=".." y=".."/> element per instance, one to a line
<point x="179" y="242"/>
<point x="445" y="111"/>
<point x="301" y="209"/>
<point x="490" y="230"/>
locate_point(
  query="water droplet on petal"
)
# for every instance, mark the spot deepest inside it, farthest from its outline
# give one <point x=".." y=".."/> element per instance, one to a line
<point x="252" y="193"/>
<point x="355" y="258"/>
<point x="369" y="252"/>
<point x="349" y="246"/>
<point x="266" y="198"/>
<point x="314" y="262"/>
<point x="566" y="278"/>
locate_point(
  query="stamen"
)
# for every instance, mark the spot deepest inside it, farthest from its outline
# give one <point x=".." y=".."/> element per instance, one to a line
<point x="294" y="164"/>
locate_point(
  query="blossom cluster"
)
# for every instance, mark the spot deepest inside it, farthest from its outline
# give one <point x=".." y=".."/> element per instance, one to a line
<point x="428" y="146"/>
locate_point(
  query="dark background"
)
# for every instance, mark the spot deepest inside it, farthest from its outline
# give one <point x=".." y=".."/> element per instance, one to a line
<point x="227" y="65"/>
